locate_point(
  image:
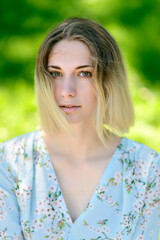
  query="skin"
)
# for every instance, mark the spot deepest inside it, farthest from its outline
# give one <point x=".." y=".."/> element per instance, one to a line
<point x="80" y="161"/>
<point x="74" y="84"/>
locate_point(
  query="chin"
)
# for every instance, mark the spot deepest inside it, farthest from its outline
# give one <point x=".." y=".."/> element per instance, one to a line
<point x="74" y="120"/>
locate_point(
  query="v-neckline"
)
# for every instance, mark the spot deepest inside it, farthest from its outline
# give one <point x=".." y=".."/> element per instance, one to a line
<point x="105" y="173"/>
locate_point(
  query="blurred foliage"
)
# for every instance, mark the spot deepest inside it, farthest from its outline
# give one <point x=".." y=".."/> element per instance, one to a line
<point x="25" y="23"/>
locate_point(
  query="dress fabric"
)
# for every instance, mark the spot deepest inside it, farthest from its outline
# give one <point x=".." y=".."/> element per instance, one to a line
<point x="124" y="206"/>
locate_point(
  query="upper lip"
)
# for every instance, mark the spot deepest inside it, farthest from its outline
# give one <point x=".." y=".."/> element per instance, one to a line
<point x="69" y="104"/>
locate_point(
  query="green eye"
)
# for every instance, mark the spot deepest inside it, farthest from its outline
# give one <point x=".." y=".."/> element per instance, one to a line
<point x="85" y="74"/>
<point x="56" y="74"/>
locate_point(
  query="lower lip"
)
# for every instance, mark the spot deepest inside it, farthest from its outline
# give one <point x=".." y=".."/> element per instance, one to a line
<point x="69" y="110"/>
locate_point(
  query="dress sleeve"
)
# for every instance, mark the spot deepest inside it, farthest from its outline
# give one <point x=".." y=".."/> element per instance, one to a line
<point x="10" y="227"/>
<point x="148" y="226"/>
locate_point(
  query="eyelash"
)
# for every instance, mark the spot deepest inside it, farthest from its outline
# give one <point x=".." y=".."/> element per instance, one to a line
<point x="52" y="73"/>
<point x="84" y="72"/>
<point x="89" y="73"/>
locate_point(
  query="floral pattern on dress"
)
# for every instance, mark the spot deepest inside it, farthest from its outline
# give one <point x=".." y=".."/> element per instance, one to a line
<point x="124" y="206"/>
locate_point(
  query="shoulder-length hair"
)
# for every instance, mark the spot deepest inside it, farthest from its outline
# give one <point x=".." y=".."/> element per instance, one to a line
<point x="114" y="110"/>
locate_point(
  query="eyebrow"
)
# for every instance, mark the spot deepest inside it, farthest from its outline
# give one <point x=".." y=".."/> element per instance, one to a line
<point x="83" y="66"/>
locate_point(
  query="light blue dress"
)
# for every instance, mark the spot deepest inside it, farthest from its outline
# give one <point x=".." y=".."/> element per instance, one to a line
<point x="124" y="206"/>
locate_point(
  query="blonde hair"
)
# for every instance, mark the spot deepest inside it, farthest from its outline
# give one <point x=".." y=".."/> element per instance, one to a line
<point x="114" y="112"/>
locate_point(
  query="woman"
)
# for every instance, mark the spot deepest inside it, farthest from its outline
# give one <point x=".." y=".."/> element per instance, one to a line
<point x="76" y="178"/>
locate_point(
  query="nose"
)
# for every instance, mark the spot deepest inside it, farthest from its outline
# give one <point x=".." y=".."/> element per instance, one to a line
<point x="68" y="87"/>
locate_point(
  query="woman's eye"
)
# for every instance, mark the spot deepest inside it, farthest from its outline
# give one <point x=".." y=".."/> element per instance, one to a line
<point x="85" y="74"/>
<point x="56" y="74"/>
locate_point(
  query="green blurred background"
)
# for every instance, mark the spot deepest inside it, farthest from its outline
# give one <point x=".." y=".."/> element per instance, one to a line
<point x="25" y="23"/>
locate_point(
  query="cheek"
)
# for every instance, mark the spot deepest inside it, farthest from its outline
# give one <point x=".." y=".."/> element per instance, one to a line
<point x="55" y="92"/>
<point x="89" y="98"/>
<point x="91" y="94"/>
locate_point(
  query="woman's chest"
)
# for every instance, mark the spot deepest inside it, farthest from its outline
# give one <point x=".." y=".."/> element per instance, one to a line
<point x="57" y="200"/>
<point x="78" y="185"/>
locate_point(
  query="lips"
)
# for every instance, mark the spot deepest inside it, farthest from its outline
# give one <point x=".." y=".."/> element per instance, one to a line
<point x="70" y="109"/>
<point x="69" y="105"/>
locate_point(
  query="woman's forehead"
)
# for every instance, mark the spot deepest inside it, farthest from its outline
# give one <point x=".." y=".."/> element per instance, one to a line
<point x="71" y="51"/>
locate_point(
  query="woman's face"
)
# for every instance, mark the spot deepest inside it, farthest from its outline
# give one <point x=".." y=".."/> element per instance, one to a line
<point x="70" y="65"/>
